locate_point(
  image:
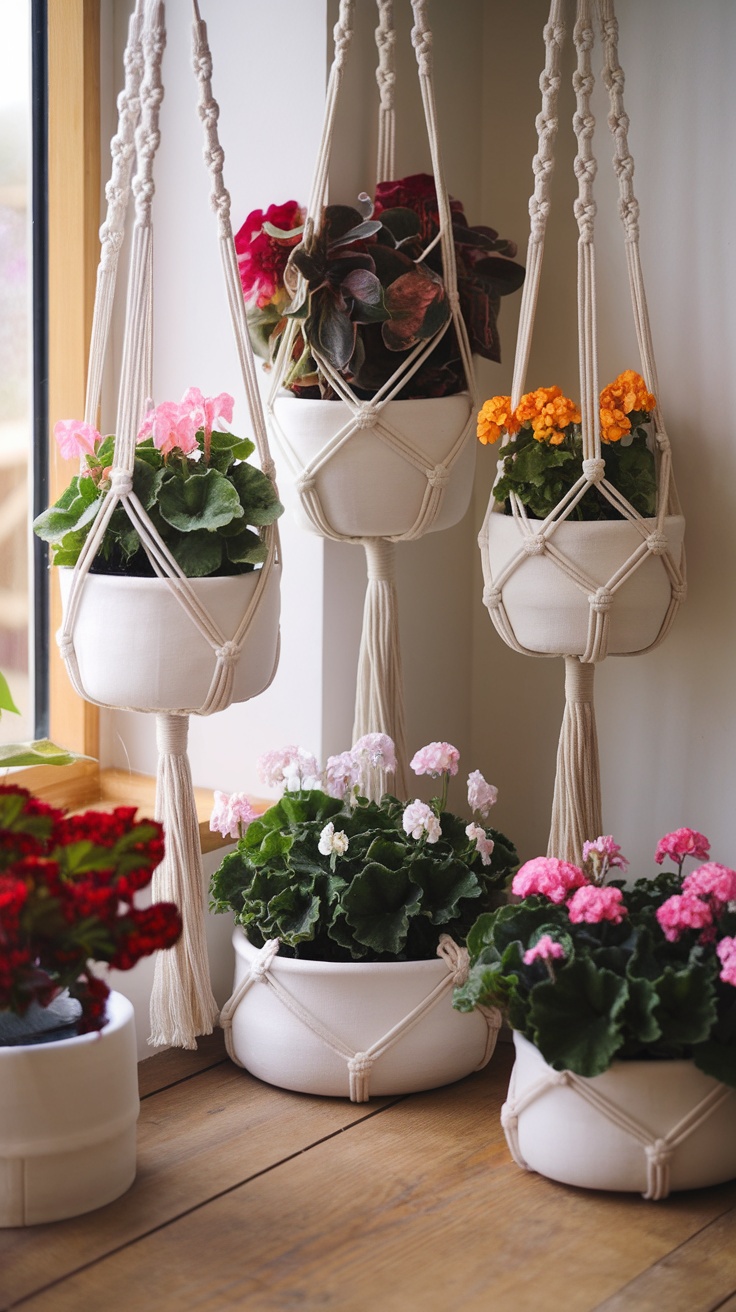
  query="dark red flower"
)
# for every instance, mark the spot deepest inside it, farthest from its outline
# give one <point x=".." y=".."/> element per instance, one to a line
<point x="261" y="257"/>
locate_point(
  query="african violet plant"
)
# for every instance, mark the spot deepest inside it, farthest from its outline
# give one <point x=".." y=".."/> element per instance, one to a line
<point x="590" y="970"/>
<point x="337" y="877"/>
<point x="191" y="477"/>
<point x="373" y="289"/>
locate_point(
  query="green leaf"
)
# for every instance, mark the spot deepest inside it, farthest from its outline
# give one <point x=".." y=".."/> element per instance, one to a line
<point x="77" y="506"/>
<point x="147" y="482"/>
<point x="686" y="1008"/>
<point x="256" y="494"/>
<point x="197" y="501"/>
<point x="6" y="697"/>
<point x="41" y="752"/>
<point x="226" y="447"/>
<point x="245" y="548"/>
<point x="443" y="887"/>
<point x="294" y="914"/>
<point x="639" y="1017"/>
<point x="378" y="906"/>
<point x="198" y="554"/>
<point x="576" y="1021"/>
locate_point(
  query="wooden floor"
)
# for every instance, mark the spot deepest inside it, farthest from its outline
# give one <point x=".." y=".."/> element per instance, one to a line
<point x="250" y="1197"/>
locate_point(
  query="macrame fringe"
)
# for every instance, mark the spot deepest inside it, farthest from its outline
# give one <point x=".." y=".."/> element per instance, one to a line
<point x="379" y="696"/>
<point x="182" y="1002"/>
<point x="576" y="806"/>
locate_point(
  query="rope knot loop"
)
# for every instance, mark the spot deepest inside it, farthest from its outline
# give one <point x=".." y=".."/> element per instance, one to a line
<point x="439" y="476"/>
<point x="657" y="543"/>
<point x="422" y="43"/>
<point x="594" y="470"/>
<point x="121" y="482"/>
<point x="658" y="1153"/>
<point x="305" y="483"/>
<point x="679" y="593"/>
<point x="491" y="598"/>
<point x="228" y="653"/>
<point x="534" y="544"/>
<point x="455" y="958"/>
<point x="260" y="966"/>
<point x="600" y="601"/>
<point x="365" y="416"/>
<point x="453" y="300"/>
<point x="65" y="643"/>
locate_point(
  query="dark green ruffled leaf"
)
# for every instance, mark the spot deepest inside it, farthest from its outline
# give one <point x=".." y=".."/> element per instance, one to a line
<point x="378" y="906"/>
<point x="226" y="447"/>
<point x="577" y="1021"/>
<point x="294" y="914"/>
<point x="686" y="1004"/>
<point x="259" y="502"/>
<point x="246" y="548"/>
<point x="198" y="554"/>
<point x="201" y="500"/>
<point x="443" y="888"/>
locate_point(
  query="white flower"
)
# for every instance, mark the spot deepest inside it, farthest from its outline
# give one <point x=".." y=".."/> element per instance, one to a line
<point x="330" y="842"/>
<point x="291" y="766"/>
<point x="483" y="844"/>
<point x="481" y="796"/>
<point x="420" y="819"/>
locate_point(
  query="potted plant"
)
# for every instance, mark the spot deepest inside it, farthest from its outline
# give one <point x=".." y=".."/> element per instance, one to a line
<point x="68" y="1073"/>
<point x="548" y="514"/>
<point x="355" y="913"/>
<point x="209" y="505"/>
<point x="358" y="320"/>
<point x="623" y="1004"/>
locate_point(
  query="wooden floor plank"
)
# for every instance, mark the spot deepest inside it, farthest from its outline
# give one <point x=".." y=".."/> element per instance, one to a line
<point x="175" y="1064"/>
<point x="417" y="1207"/>
<point x="697" y="1277"/>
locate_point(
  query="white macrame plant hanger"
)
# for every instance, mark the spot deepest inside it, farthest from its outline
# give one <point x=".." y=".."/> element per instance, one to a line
<point x="576" y="812"/>
<point x="379" y="703"/>
<point x="182" y="1003"/>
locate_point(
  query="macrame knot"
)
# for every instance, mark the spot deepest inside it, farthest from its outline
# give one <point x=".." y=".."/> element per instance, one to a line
<point x="548" y="83"/>
<point x="658" y="1153"/>
<point x="209" y="115"/>
<point x="629" y="210"/>
<point x="121" y="482"/>
<point x="594" y="470"/>
<point x="268" y="468"/>
<point x="542" y="167"/>
<point x="554" y="34"/>
<point x="202" y="63"/>
<point x="559" y="1078"/>
<point x="305" y="483"/>
<point x="584" y="37"/>
<point x="657" y="543"/>
<point x="259" y="968"/>
<point x="455" y="958"/>
<point x="619" y="123"/>
<point x="624" y="168"/>
<point x="342" y="42"/>
<point x="144" y="189"/>
<point x="679" y="592"/>
<point x="585" y="212"/>
<point x="365" y="416"/>
<point x="228" y="652"/>
<point x="534" y="545"/>
<point x="439" y="476"/>
<point x="65" y="643"/>
<point x="600" y="601"/>
<point x="359" y="1069"/>
<point x="491" y="598"/>
<point x="453" y="298"/>
<point x="112" y="239"/>
<point x="422" y="43"/>
<point x="585" y="168"/>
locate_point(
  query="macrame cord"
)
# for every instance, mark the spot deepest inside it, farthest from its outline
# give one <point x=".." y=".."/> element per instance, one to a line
<point x="379" y="703"/>
<point x="359" y="1064"/>
<point x="576" y="810"/>
<point x="182" y="1004"/>
<point x="658" y="1152"/>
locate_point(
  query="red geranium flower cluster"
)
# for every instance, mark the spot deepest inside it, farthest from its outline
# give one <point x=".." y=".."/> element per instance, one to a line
<point x="67" y="888"/>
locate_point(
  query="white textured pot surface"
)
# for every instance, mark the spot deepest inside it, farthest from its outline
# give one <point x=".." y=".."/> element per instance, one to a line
<point x="358" y="1002"/>
<point x="549" y="613"/>
<point x="366" y="489"/>
<point x="68" y="1113"/>
<point x="138" y="649"/>
<point x="561" y="1135"/>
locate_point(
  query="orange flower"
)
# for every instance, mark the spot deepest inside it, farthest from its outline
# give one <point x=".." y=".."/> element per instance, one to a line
<point x="549" y="413"/>
<point x="614" y="423"/>
<point x="496" y="417"/>
<point x="626" y="393"/>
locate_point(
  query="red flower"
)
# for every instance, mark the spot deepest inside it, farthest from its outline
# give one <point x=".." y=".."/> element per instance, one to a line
<point x="262" y="258"/>
<point x="418" y="193"/>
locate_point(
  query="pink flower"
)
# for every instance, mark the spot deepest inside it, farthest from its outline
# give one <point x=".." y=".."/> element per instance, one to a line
<point x="206" y="411"/>
<point x="545" y="949"/>
<point x="483" y="843"/>
<point x="420" y="819"/>
<point x="726" y="950"/>
<point x="375" y="749"/>
<point x="291" y="767"/>
<point x="435" y="759"/>
<point x="712" y="880"/>
<point x="261" y="257"/>
<point x="75" y="438"/>
<point x="341" y="774"/>
<point x="169" y="425"/>
<point x="549" y="877"/>
<point x="681" y="912"/>
<point x="590" y="905"/>
<point x="681" y="843"/>
<point x="603" y="855"/>
<point x="481" y="796"/>
<point x="231" y="815"/>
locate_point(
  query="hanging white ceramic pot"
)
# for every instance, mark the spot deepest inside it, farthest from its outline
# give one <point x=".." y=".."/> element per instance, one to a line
<point x="68" y="1112"/>
<point x="368" y="486"/>
<point x="643" y="1126"/>
<point x="549" y="612"/>
<point x="356" y="1004"/>
<point x="137" y="648"/>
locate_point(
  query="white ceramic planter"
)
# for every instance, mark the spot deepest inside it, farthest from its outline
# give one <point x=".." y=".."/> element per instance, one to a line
<point x="138" y="649"/>
<point x="366" y="488"/>
<point x="549" y="612"/>
<point x="68" y="1113"/>
<point x="575" y="1131"/>
<point x="358" y="1003"/>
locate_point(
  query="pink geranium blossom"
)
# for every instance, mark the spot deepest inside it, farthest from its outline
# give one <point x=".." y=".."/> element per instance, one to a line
<point x="435" y="759"/>
<point x="341" y="774"/>
<point x="712" y="881"/>
<point x="483" y="844"/>
<point x="481" y="796"/>
<point x="681" y="912"/>
<point x="419" y="819"/>
<point x="231" y="815"/>
<point x="291" y="767"/>
<point x="545" y="949"/>
<point x="548" y="876"/>
<point x="726" y="950"/>
<point x="375" y="749"/>
<point x="681" y="843"/>
<point x="591" y="905"/>
<point x="169" y="425"/>
<point x="602" y="855"/>
<point x="75" y="438"/>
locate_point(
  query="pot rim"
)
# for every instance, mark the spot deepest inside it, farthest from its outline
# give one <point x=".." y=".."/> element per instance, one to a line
<point x="597" y="525"/>
<point x="119" y="1011"/>
<point x="245" y="948"/>
<point x="285" y="395"/>
<point x="668" y="1064"/>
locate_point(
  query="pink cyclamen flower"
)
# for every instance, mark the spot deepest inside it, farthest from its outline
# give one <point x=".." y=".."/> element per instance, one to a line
<point x="603" y="854"/>
<point x="726" y="950"/>
<point x="548" y="876"/>
<point x="231" y="814"/>
<point x="481" y="796"/>
<point x="681" y="912"/>
<point x="681" y="843"/>
<point x="169" y="425"/>
<point x="483" y="844"/>
<point x="291" y="767"/>
<point x="435" y="759"/>
<point x="341" y="774"/>
<point x="419" y="819"/>
<point x="375" y="749"/>
<point x="591" y="905"/>
<point x="712" y="881"/>
<point x="545" y="949"/>
<point x="75" y="438"/>
<point x="208" y="413"/>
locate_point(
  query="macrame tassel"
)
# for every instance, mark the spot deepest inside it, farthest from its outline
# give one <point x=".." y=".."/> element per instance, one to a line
<point x="576" y="807"/>
<point x="182" y="1002"/>
<point x="379" y="697"/>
